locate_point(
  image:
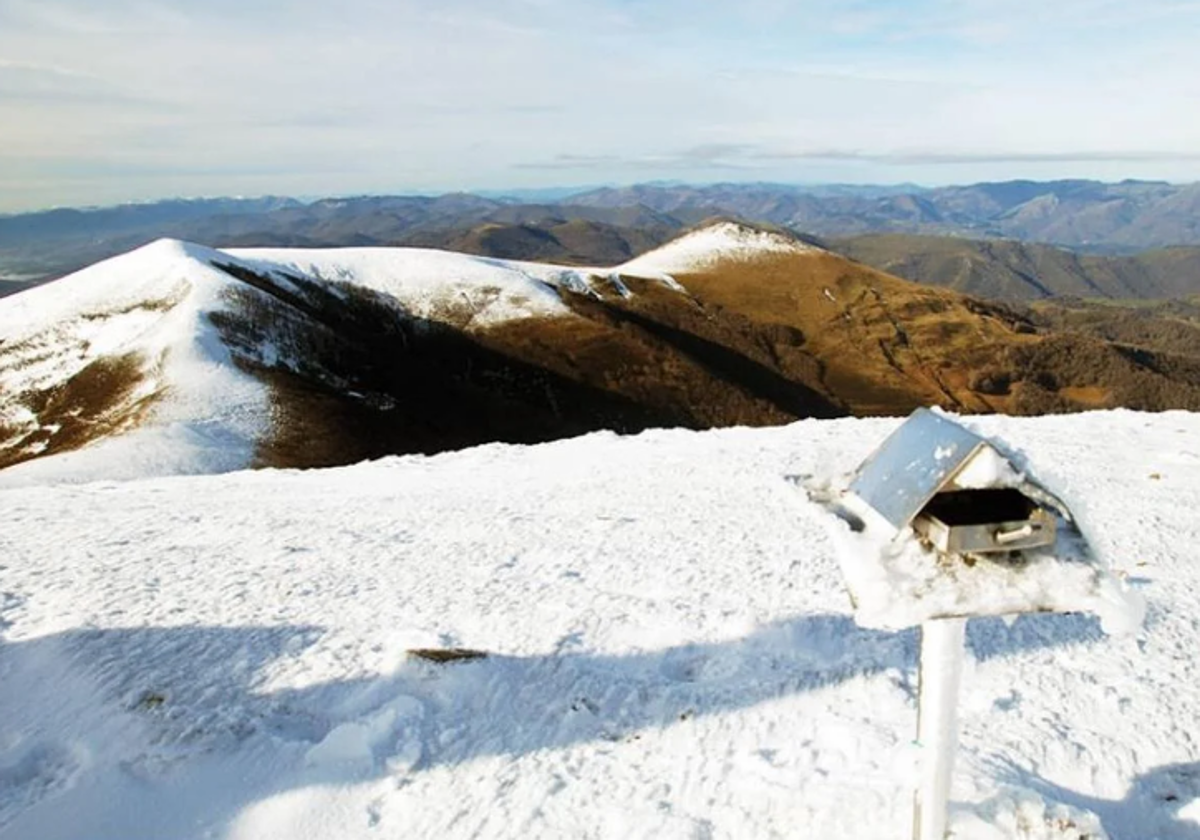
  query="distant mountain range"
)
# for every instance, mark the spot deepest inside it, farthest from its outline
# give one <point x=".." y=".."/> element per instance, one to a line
<point x="609" y="225"/>
<point x="1127" y="216"/>
<point x="202" y="360"/>
<point x="1011" y="270"/>
<point x="40" y="246"/>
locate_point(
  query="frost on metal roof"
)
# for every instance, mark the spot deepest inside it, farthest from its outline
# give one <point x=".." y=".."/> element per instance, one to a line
<point x="913" y="464"/>
<point x="896" y="581"/>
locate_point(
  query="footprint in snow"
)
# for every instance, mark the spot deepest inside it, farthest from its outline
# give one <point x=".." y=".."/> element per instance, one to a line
<point x="390" y="736"/>
<point x="10" y="603"/>
<point x="35" y="772"/>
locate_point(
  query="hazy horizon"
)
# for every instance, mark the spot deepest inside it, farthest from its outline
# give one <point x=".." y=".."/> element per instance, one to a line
<point x="531" y="194"/>
<point x="142" y="100"/>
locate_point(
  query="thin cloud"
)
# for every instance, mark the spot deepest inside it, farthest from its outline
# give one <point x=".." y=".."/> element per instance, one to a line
<point x="232" y="94"/>
<point x="47" y="85"/>
<point x="743" y="156"/>
<point x="963" y="158"/>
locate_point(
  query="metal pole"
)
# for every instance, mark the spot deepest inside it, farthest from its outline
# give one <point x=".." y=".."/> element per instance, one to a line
<point x="937" y="722"/>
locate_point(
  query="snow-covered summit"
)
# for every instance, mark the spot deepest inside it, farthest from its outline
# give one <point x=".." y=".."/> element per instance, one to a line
<point x="122" y="358"/>
<point x="151" y="272"/>
<point x="720" y="241"/>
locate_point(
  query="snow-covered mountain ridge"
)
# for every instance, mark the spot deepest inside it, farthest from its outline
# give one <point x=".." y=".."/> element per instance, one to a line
<point x="88" y="357"/>
<point x="182" y="359"/>
<point x="671" y="651"/>
<point x="147" y="352"/>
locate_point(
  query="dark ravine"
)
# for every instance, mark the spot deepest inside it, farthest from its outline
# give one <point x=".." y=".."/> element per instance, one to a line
<point x="377" y="381"/>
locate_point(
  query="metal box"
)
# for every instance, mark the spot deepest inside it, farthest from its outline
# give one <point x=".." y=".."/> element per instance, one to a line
<point x="939" y="523"/>
<point x="977" y="521"/>
<point x="954" y="489"/>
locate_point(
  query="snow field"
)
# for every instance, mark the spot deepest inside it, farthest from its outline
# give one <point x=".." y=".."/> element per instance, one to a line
<point x="672" y="650"/>
<point x="425" y="280"/>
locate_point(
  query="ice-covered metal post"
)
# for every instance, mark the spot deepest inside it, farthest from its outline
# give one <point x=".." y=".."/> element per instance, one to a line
<point x="937" y="722"/>
<point x="944" y="525"/>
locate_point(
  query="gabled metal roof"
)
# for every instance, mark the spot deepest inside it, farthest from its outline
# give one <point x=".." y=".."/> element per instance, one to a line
<point x="913" y="464"/>
<point x="928" y="454"/>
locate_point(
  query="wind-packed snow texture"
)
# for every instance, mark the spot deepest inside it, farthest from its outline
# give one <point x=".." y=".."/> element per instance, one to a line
<point x="672" y="651"/>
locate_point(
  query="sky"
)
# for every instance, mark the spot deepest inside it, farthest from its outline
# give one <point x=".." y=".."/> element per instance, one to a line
<point x="106" y="101"/>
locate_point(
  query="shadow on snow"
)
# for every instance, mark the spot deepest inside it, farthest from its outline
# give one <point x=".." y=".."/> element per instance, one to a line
<point x="193" y="692"/>
<point x="1149" y="809"/>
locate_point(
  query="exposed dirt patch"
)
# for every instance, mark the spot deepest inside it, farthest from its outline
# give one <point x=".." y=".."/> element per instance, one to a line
<point x="442" y="656"/>
<point x="1092" y="396"/>
<point x="98" y="401"/>
<point x="110" y="394"/>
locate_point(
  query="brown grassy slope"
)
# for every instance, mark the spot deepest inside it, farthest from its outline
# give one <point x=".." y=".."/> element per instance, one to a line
<point x="108" y="395"/>
<point x="97" y="402"/>
<point x="566" y="242"/>
<point x="887" y="345"/>
<point x="372" y="380"/>
<point x="669" y="352"/>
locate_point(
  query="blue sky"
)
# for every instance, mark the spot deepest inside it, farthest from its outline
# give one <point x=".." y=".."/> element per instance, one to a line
<point x="103" y="101"/>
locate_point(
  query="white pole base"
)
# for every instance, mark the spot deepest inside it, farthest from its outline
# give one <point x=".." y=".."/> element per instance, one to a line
<point x="937" y="723"/>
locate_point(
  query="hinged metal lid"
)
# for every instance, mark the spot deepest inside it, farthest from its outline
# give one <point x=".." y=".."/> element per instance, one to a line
<point x="913" y="464"/>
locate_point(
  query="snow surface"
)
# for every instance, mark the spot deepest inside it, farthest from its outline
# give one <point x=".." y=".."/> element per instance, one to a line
<point x="427" y="281"/>
<point x="707" y="246"/>
<point x="672" y="650"/>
